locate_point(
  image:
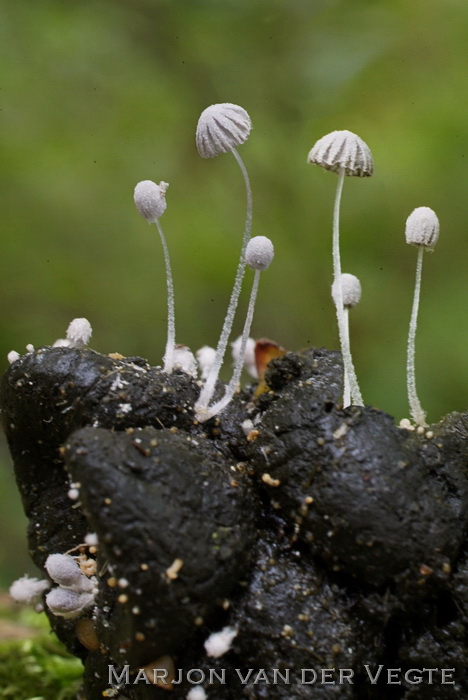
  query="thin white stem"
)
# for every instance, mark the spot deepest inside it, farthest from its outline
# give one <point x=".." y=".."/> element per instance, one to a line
<point x="416" y="410"/>
<point x="207" y="392"/>
<point x="170" y="344"/>
<point x="233" y="384"/>
<point x="344" y="340"/>
<point x="346" y="387"/>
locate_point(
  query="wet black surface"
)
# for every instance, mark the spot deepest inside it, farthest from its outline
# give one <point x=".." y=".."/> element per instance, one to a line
<point x="328" y="538"/>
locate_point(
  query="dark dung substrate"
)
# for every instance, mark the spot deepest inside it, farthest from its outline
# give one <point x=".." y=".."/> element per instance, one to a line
<point x="327" y="538"/>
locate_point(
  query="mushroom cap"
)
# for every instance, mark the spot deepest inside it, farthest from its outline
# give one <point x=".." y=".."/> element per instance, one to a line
<point x="259" y="253"/>
<point x="150" y="199"/>
<point x="350" y="289"/>
<point x="343" y="149"/>
<point x="221" y="128"/>
<point x="422" y="228"/>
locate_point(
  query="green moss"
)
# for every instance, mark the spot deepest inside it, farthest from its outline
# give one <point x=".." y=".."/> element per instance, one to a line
<point x="34" y="665"/>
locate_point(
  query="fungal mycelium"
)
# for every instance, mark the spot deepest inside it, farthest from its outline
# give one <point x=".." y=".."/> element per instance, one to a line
<point x="197" y="537"/>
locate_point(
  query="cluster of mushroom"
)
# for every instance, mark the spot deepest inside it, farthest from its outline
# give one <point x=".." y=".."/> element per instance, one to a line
<point x="221" y="129"/>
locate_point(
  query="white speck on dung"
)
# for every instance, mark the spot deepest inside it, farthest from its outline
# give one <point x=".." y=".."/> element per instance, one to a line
<point x="219" y="643"/>
<point x="13" y="356"/>
<point x="221" y="128"/>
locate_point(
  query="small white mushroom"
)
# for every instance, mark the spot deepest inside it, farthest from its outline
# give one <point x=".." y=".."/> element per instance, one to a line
<point x="422" y="230"/>
<point x="150" y="201"/>
<point x="344" y="153"/>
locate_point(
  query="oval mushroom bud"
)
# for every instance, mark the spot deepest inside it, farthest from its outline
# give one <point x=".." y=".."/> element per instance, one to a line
<point x="350" y="288"/>
<point x="422" y="228"/>
<point x="221" y="128"/>
<point x="150" y="199"/>
<point x="65" y="571"/>
<point x="343" y="149"/>
<point x="259" y="253"/>
<point x="66" y="603"/>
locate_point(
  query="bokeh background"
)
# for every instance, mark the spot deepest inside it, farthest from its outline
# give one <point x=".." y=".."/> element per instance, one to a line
<point x="97" y="95"/>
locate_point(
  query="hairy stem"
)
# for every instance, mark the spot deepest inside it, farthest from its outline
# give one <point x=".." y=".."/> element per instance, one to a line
<point x="170" y="344"/>
<point x="208" y="389"/>
<point x="344" y="337"/>
<point x="416" y="410"/>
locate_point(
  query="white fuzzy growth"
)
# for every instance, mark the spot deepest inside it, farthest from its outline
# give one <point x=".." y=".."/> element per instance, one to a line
<point x="343" y="149"/>
<point x="221" y="128"/>
<point x="197" y="693"/>
<point x="64" y="570"/>
<point x="67" y="603"/>
<point x="62" y="343"/>
<point x="219" y="643"/>
<point x="29" y="347"/>
<point x="205" y="356"/>
<point x="28" y="590"/>
<point x="249" y="359"/>
<point x="184" y="359"/>
<point x="13" y="356"/>
<point x="350" y="289"/>
<point x="422" y="228"/>
<point x="150" y="199"/>
<point x="79" y="332"/>
<point x="259" y="253"/>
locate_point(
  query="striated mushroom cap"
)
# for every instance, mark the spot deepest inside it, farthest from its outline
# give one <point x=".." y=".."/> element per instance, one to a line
<point x="343" y="149"/>
<point x="221" y="128"/>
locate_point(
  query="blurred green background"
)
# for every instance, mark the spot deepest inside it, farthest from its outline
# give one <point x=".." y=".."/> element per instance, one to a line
<point x="96" y="96"/>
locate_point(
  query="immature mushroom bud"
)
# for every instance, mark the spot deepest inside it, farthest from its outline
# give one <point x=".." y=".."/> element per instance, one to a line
<point x="66" y="603"/>
<point x="65" y="571"/>
<point x="258" y="256"/>
<point x="79" y="332"/>
<point x="344" y="153"/>
<point x="205" y="357"/>
<point x="150" y="201"/>
<point x="351" y="294"/>
<point x="220" y="129"/>
<point x="28" y="590"/>
<point x="422" y="230"/>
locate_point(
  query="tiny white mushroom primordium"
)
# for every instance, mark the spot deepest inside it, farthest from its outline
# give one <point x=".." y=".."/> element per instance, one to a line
<point x="344" y="153"/>
<point x="150" y="201"/>
<point x="221" y="128"/>
<point x="422" y="230"/>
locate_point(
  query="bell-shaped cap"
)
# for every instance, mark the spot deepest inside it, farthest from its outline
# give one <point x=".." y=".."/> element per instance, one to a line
<point x="221" y="128"/>
<point x="422" y="228"/>
<point x="343" y="149"/>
